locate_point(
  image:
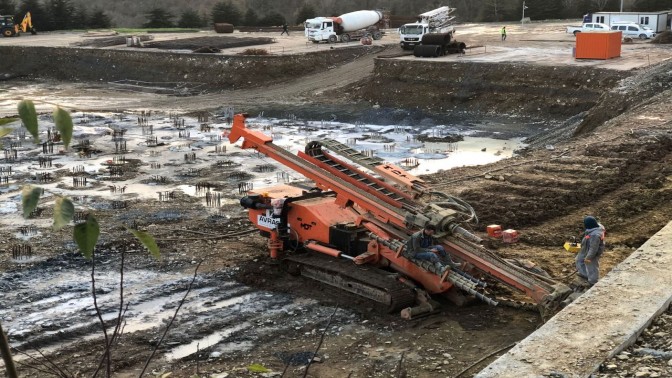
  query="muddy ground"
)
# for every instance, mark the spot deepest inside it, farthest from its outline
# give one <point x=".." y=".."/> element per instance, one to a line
<point x="612" y="161"/>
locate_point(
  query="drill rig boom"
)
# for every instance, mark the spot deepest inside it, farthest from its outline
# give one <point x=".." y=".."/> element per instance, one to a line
<point x="368" y="220"/>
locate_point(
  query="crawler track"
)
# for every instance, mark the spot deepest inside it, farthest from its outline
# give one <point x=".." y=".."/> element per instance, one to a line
<point x="366" y="281"/>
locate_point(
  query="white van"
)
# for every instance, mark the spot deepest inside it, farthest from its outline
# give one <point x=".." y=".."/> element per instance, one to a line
<point x="630" y="29"/>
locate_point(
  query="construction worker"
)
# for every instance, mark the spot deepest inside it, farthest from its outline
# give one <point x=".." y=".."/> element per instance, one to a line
<point x="423" y="246"/>
<point x="503" y="33"/>
<point x="285" y="29"/>
<point x="592" y="248"/>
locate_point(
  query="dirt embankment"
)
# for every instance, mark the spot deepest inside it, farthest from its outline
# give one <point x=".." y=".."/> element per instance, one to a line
<point x="486" y="88"/>
<point x="214" y="71"/>
<point x="619" y="172"/>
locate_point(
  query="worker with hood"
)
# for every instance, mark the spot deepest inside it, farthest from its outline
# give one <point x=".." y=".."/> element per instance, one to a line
<point x="592" y="248"/>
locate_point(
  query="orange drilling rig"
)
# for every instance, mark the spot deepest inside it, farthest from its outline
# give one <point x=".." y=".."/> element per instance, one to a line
<point x="350" y="230"/>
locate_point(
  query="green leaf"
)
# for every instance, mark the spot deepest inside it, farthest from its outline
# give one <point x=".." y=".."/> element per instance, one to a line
<point x="30" y="196"/>
<point x="86" y="236"/>
<point x="63" y="123"/>
<point x="29" y="117"/>
<point x="256" y="368"/>
<point x="148" y="241"/>
<point x="64" y="210"/>
<point x="4" y="131"/>
<point x="4" y="121"/>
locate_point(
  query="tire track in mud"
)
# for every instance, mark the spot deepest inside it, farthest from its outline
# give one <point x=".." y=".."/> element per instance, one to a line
<point x="49" y="306"/>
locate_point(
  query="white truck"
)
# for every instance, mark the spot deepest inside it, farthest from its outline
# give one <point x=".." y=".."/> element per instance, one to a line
<point x="345" y="28"/>
<point x="587" y="27"/>
<point x="437" y="21"/>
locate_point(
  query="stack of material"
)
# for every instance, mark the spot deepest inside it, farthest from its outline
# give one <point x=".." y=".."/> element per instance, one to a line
<point x="663" y="38"/>
<point x="223" y="28"/>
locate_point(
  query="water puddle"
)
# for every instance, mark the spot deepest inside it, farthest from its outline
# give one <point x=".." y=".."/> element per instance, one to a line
<point x="205" y="342"/>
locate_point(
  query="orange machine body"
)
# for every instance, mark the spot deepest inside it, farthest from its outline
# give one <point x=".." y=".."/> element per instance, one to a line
<point x="365" y="219"/>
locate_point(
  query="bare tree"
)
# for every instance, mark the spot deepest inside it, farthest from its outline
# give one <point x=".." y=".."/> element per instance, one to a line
<point x="600" y="4"/>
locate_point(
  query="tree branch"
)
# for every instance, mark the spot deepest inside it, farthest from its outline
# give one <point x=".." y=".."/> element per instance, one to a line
<point x="171" y="321"/>
<point x="7" y="355"/>
<point x="319" y="345"/>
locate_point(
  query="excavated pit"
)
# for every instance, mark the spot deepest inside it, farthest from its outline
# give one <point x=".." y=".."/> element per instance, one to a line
<point x="358" y="340"/>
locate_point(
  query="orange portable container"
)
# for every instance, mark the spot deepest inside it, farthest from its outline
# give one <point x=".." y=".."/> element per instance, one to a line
<point x="494" y="231"/>
<point x="598" y="45"/>
<point x="509" y="236"/>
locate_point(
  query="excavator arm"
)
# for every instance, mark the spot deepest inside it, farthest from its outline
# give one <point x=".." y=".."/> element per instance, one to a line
<point x="27" y="24"/>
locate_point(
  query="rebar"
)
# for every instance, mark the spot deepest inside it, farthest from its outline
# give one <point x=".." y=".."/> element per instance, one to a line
<point x="190" y="157"/>
<point x="27" y="230"/>
<point x="45" y="162"/>
<point x="213" y="199"/>
<point x="116" y="204"/>
<point x="166" y="196"/>
<point x="22" y="252"/>
<point x="245" y="187"/>
<point x="115" y="170"/>
<point x="78" y="181"/>
<point x="11" y="155"/>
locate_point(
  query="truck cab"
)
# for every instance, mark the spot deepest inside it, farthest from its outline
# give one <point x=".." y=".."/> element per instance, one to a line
<point x="410" y="35"/>
<point x="7" y="26"/>
<point x="320" y="29"/>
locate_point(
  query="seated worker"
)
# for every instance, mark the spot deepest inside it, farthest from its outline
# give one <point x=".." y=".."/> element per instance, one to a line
<point x="423" y="246"/>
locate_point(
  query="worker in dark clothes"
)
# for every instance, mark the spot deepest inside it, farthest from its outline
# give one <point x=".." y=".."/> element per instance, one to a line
<point x="592" y="248"/>
<point x="423" y="246"/>
<point x="285" y="29"/>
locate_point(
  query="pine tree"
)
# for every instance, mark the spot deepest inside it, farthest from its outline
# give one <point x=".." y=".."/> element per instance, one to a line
<point x="61" y="14"/>
<point x="190" y="19"/>
<point x="80" y="17"/>
<point x="7" y="7"/>
<point x="99" y="20"/>
<point x="305" y="12"/>
<point x="158" y="18"/>
<point x="225" y="12"/>
<point x="272" y="19"/>
<point x="251" y="18"/>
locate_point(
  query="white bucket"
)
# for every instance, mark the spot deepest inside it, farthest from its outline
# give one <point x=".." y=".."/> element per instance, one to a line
<point x="129" y="41"/>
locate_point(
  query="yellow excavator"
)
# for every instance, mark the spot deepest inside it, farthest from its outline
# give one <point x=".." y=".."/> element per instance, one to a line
<point x="10" y="29"/>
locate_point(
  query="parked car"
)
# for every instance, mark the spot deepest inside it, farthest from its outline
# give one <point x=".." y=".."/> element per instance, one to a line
<point x="587" y="27"/>
<point x="630" y="29"/>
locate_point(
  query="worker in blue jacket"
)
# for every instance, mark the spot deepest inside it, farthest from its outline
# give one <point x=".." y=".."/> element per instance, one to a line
<point x="592" y="248"/>
<point x="423" y="246"/>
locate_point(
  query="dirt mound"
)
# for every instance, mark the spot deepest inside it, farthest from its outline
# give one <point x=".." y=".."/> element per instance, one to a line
<point x="630" y="93"/>
<point x="218" y="42"/>
<point x="663" y="38"/>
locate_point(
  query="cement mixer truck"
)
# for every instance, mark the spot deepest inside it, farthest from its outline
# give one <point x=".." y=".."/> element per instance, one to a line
<point x="345" y="28"/>
<point x="437" y="21"/>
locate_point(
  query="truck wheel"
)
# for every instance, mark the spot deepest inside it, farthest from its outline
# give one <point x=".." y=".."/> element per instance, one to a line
<point x="7" y="33"/>
<point x="345" y="38"/>
<point x="576" y="32"/>
<point x="377" y="35"/>
<point x="642" y="36"/>
<point x="333" y="39"/>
